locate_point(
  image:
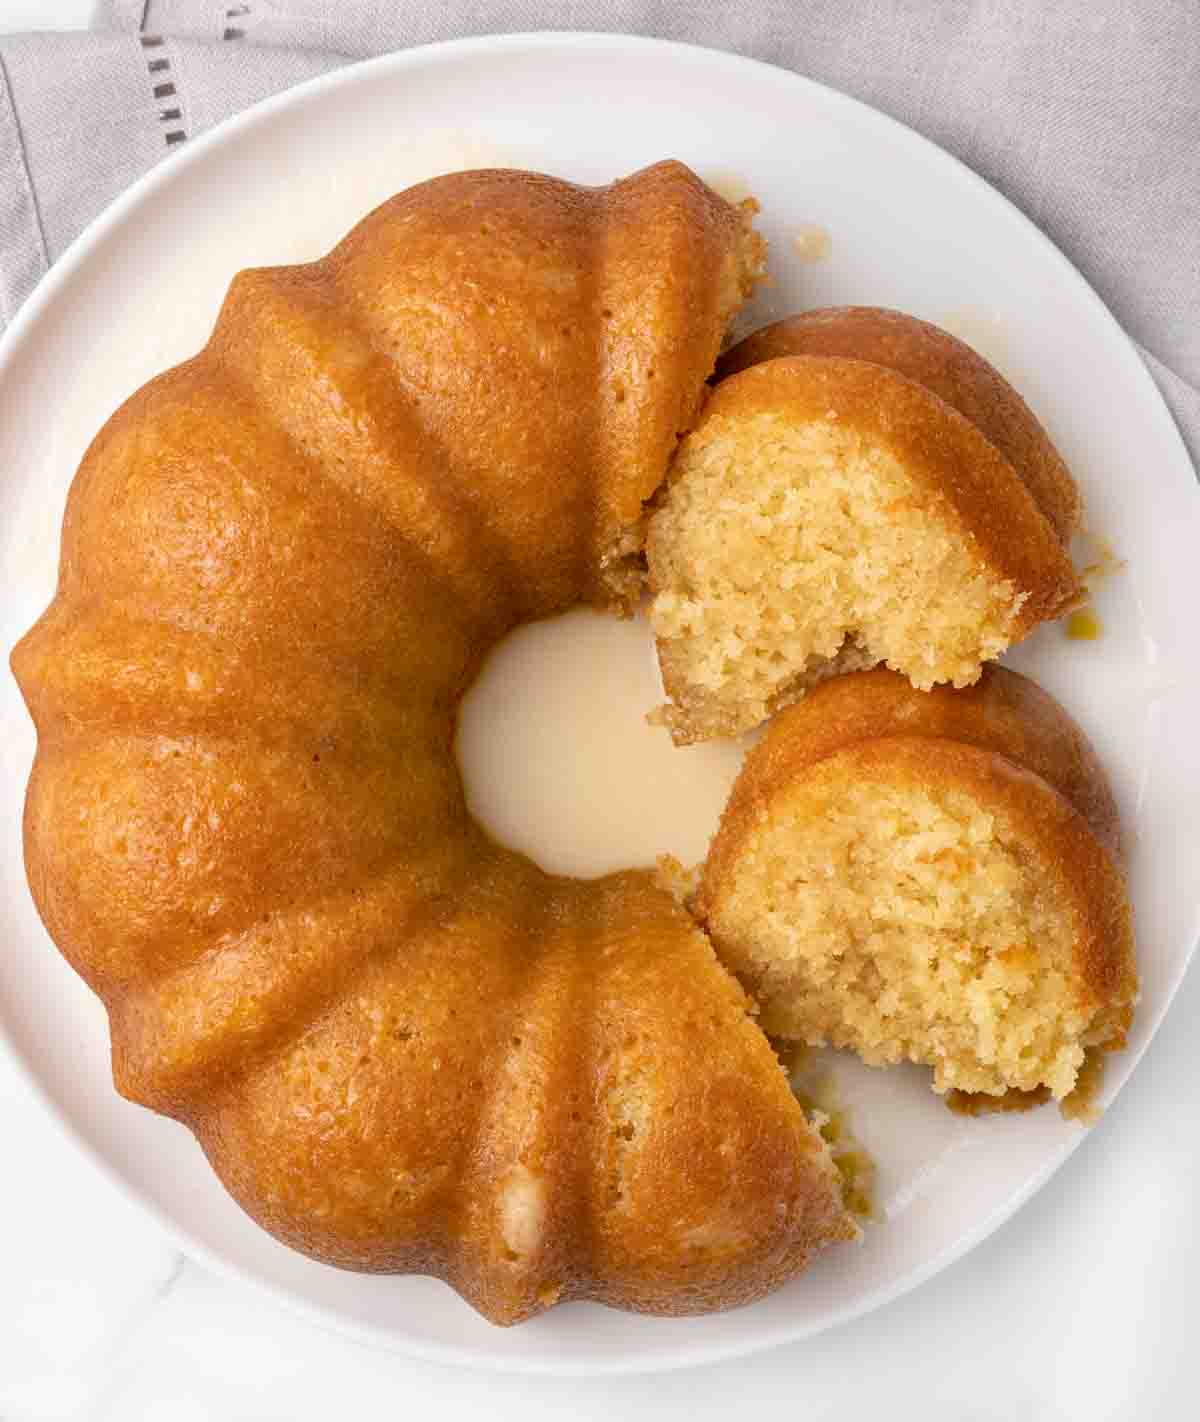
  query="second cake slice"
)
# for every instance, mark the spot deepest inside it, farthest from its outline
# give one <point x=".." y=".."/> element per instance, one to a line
<point x="930" y="877"/>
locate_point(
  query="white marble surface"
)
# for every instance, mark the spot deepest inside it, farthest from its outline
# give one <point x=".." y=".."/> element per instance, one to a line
<point x="1080" y="1307"/>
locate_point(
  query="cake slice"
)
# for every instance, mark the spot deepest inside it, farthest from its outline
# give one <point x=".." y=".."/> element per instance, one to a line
<point x="928" y="877"/>
<point x="827" y="514"/>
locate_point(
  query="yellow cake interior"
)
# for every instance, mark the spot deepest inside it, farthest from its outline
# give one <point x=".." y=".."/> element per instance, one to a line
<point x="910" y="923"/>
<point x="783" y="546"/>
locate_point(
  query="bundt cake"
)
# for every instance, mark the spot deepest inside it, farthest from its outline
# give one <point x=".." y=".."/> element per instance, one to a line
<point x="835" y="510"/>
<point x="928" y="876"/>
<point x="403" y="1047"/>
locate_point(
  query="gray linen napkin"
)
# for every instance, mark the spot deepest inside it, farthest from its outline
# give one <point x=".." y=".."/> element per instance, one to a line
<point x="1086" y="113"/>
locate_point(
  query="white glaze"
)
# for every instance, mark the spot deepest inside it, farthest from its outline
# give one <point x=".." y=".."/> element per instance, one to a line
<point x="560" y="762"/>
<point x="983" y="331"/>
<point x="813" y="243"/>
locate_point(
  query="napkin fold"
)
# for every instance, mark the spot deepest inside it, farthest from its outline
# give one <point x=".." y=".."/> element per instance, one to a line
<point x="1086" y="113"/>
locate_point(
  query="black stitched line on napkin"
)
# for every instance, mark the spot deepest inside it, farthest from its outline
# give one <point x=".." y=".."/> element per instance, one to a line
<point x="235" y="12"/>
<point x="158" y="66"/>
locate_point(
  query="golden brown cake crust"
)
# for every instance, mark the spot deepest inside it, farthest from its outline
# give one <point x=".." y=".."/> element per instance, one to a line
<point x="590" y="1110"/>
<point x="940" y="449"/>
<point x="402" y="1047"/>
<point x="1003" y="712"/>
<point x="943" y="364"/>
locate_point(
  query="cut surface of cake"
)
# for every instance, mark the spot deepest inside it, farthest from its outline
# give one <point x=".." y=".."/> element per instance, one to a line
<point x="928" y="877"/>
<point x="828" y="514"/>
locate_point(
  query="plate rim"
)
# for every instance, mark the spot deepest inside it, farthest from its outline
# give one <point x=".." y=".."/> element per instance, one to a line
<point x="677" y="1355"/>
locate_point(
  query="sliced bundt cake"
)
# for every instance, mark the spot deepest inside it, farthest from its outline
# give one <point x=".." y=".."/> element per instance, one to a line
<point x="404" y="1048"/>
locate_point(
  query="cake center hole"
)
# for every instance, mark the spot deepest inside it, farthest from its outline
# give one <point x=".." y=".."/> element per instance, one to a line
<point x="559" y="762"/>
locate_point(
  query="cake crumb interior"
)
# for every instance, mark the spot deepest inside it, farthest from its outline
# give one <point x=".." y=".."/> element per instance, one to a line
<point x="784" y="551"/>
<point x="909" y="923"/>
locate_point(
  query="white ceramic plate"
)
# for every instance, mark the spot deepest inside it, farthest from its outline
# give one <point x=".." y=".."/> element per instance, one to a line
<point x="910" y="228"/>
